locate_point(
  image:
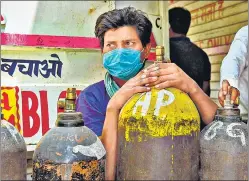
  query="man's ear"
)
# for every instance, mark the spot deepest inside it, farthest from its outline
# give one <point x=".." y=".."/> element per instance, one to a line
<point x="147" y="50"/>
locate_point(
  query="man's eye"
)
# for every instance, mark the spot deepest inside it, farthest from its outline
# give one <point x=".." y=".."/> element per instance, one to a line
<point x="129" y="43"/>
<point x="110" y="45"/>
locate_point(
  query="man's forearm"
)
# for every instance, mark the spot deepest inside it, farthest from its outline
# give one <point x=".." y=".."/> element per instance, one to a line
<point x="109" y="139"/>
<point x="207" y="108"/>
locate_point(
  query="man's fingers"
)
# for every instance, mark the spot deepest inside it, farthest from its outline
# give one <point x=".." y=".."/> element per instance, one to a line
<point x="221" y="97"/>
<point x="164" y="78"/>
<point x="139" y="89"/>
<point x="144" y="81"/>
<point x="227" y="89"/>
<point x="234" y="95"/>
<point x="142" y="72"/>
<point x="166" y="84"/>
<point x="170" y="77"/>
<point x="153" y="83"/>
<point x="152" y="66"/>
<point x="159" y="65"/>
<point x="225" y="85"/>
<point x="162" y="72"/>
<point x="151" y="69"/>
<point x="140" y="75"/>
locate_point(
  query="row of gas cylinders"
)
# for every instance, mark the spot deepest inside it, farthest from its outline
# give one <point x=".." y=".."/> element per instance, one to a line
<point x="159" y="139"/>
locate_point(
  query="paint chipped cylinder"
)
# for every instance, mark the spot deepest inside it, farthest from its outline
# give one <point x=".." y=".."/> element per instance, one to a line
<point x="69" y="151"/>
<point x="224" y="147"/>
<point x="13" y="153"/>
<point x="158" y="135"/>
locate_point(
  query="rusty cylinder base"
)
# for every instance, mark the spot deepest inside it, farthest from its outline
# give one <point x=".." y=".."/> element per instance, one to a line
<point x="168" y="158"/>
<point x="82" y="170"/>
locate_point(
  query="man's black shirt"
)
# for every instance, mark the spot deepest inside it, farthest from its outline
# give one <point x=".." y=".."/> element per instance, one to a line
<point x="191" y="59"/>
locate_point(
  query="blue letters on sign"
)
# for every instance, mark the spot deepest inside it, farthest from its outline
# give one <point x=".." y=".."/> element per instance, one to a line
<point x="34" y="66"/>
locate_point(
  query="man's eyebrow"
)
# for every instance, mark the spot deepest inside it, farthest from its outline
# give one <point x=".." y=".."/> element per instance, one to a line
<point x="110" y="41"/>
<point x="129" y="39"/>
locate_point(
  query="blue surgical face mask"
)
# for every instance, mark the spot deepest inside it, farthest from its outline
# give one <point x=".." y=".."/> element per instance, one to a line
<point x="123" y="63"/>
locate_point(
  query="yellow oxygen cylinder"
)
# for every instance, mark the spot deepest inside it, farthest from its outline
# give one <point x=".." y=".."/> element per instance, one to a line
<point x="158" y="134"/>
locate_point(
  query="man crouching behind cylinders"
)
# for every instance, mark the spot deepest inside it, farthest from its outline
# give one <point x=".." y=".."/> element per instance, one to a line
<point x="156" y="135"/>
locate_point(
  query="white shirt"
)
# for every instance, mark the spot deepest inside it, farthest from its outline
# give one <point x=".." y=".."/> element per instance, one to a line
<point x="234" y="67"/>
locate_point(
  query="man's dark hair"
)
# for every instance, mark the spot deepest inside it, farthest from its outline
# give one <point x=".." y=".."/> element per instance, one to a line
<point x="128" y="16"/>
<point x="179" y="20"/>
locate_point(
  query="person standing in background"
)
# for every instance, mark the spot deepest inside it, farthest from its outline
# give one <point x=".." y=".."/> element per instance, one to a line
<point x="189" y="57"/>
